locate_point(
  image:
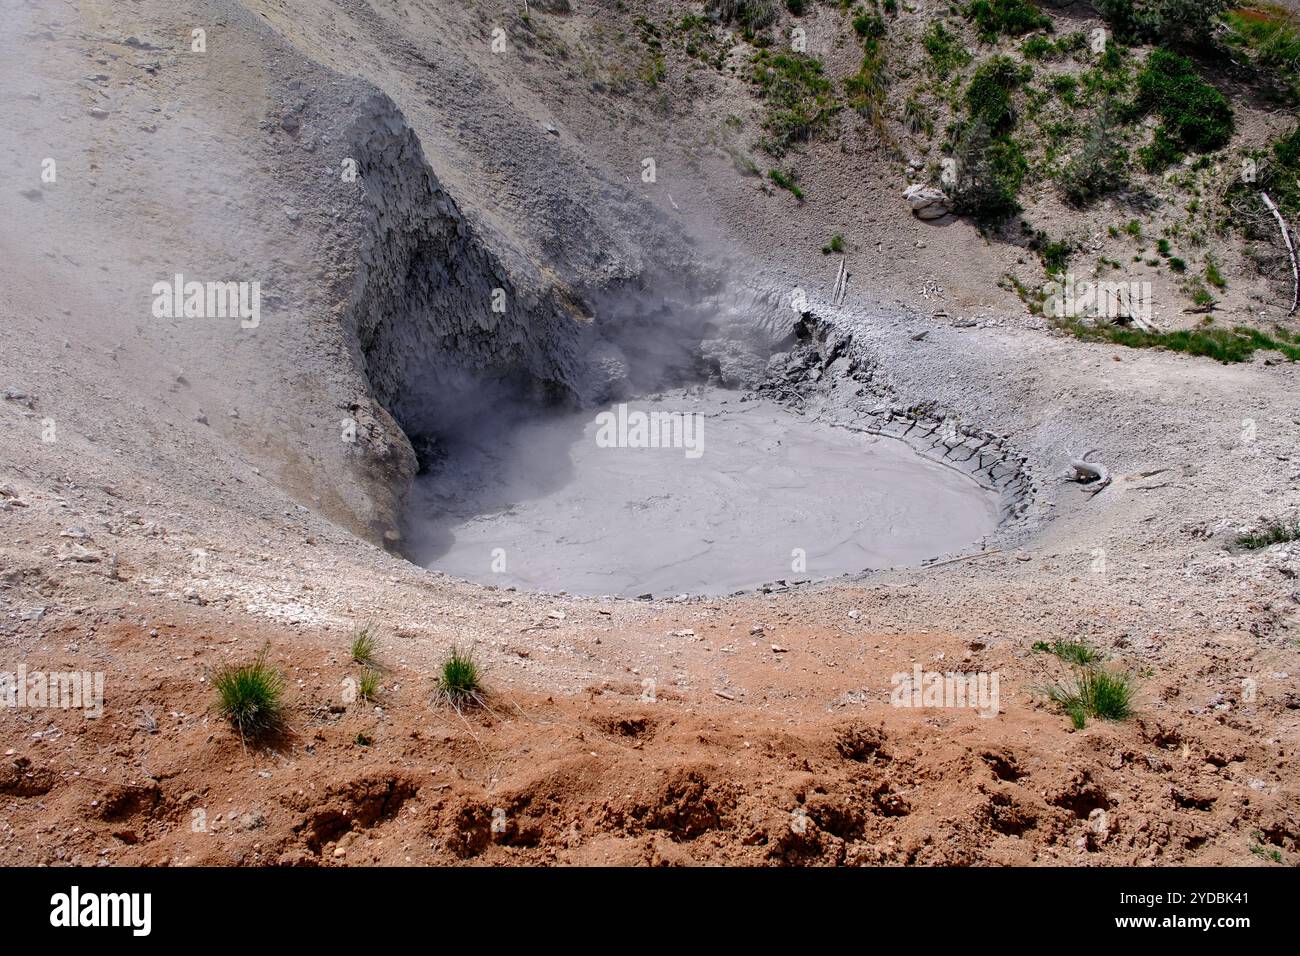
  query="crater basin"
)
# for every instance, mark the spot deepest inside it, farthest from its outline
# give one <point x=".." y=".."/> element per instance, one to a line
<point x="739" y="493"/>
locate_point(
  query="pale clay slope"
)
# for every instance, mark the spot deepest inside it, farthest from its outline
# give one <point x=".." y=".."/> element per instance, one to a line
<point x="272" y="496"/>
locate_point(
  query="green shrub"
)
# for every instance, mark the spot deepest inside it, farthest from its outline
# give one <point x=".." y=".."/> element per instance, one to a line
<point x="1162" y="153"/>
<point x="947" y="51"/>
<point x="1124" y="21"/>
<point x="1183" y="21"/>
<point x="1065" y="86"/>
<point x="251" y="696"/>
<point x="835" y="246"/>
<point x="1055" y="255"/>
<point x="1170" y="21"/>
<point x="653" y="70"/>
<point x="916" y="117"/>
<point x="1038" y="48"/>
<point x="1010" y="17"/>
<point x="990" y="173"/>
<point x="1269" y="853"/>
<point x="988" y="97"/>
<point x="1201" y="297"/>
<point x="1195" y="116"/>
<point x="868" y="25"/>
<point x="865" y="89"/>
<point x="1212" y="274"/>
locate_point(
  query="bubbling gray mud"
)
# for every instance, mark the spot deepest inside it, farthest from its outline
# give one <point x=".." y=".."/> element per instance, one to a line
<point x="770" y="496"/>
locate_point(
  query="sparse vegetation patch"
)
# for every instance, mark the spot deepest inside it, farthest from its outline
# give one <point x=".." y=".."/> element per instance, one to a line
<point x="1274" y="532"/>
<point x="800" y="99"/>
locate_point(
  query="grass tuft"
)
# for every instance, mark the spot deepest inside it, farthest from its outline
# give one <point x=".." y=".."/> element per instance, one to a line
<point x="368" y="686"/>
<point x="787" y="181"/>
<point x="460" y="682"/>
<point x="363" y="647"/>
<point x="1076" y="652"/>
<point x="1095" y="692"/>
<point x="251" y="696"/>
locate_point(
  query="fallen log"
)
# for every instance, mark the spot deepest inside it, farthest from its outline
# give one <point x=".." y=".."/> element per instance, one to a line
<point x="1093" y="474"/>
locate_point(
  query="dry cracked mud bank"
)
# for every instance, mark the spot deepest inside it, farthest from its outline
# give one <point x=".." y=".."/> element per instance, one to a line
<point x="176" y="494"/>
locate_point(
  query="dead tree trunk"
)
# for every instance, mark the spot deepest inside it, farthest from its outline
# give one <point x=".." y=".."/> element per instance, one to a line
<point x="1290" y="248"/>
